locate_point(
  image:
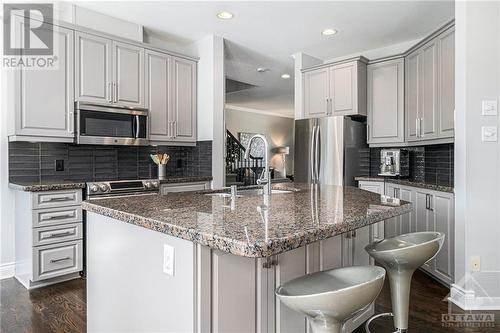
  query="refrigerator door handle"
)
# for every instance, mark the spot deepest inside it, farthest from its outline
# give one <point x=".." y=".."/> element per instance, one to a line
<point x="312" y="162"/>
<point x="316" y="153"/>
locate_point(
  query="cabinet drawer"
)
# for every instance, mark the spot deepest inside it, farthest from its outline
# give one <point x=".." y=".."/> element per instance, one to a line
<point x="56" y="198"/>
<point x="56" y="216"/>
<point x="57" y="259"/>
<point x="57" y="234"/>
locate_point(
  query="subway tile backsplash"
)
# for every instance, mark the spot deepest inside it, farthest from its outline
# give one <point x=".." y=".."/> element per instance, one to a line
<point x="431" y="164"/>
<point x="36" y="161"/>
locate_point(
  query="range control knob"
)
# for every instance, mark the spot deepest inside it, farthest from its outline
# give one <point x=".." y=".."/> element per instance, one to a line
<point x="147" y="184"/>
<point x="104" y="187"/>
<point x="155" y="184"/>
<point x="94" y="188"/>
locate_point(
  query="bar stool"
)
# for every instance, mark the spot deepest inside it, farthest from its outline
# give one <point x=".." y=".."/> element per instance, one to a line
<point x="330" y="297"/>
<point x="401" y="256"/>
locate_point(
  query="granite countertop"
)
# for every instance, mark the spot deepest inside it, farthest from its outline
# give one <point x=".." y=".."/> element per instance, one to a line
<point x="46" y="186"/>
<point x="67" y="185"/>
<point x="250" y="228"/>
<point x="407" y="182"/>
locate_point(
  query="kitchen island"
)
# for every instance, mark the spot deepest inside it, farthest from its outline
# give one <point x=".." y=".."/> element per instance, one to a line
<point x="194" y="262"/>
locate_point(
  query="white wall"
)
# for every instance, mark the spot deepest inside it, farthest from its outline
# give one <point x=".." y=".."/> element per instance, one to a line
<point x="477" y="165"/>
<point x="278" y="130"/>
<point x="211" y="100"/>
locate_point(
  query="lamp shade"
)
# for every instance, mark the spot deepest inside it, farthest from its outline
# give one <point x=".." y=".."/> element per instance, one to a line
<point x="281" y="150"/>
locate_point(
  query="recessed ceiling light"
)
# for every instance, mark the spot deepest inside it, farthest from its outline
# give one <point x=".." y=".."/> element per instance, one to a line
<point x="225" y="15"/>
<point x="329" y="32"/>
<point x="262" y="70"/>
<point x="285" y="76"/>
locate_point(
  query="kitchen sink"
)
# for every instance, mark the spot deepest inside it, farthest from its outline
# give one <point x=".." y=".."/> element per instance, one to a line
<point x="249" y="193"/>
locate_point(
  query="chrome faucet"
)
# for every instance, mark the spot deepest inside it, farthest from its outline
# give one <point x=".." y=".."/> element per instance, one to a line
<point x="264" y="178"/>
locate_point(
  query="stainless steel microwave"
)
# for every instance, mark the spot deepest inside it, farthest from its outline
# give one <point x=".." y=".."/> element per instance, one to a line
<point x="111" y="125"/>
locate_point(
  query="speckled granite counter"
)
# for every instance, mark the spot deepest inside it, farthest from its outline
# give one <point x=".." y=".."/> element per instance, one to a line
<point x="407" y="182"/>
<point x="46" y="186"/>
<point x="292" y="220"/>
<point x="67" y="185"/>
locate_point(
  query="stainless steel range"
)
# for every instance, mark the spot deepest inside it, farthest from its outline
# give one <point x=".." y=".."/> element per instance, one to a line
<point x="121" y="188"/>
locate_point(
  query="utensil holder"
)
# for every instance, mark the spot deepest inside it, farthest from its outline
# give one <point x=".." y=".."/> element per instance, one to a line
<point x="162" y="171"/>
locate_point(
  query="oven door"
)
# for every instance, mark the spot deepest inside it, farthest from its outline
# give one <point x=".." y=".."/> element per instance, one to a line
<point x="111" y="126"/>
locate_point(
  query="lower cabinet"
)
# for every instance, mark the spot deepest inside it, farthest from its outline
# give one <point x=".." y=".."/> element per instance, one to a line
<point x="49" y="237"/>
<point x="432" y="211"/>
<point x="377" y="229"/>
<point x="242" y="289"/>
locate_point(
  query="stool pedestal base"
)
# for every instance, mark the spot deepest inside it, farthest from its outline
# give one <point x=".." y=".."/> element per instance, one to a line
<point x="387" y="314"/>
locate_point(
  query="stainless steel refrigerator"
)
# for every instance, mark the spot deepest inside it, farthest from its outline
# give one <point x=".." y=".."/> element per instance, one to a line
<point x="329" y="150"/>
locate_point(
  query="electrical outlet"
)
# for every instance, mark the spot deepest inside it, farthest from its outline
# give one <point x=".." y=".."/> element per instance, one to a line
<point x="59" y="165"/>
<point x="475" y="263"/>
<point x="168" y="259"/>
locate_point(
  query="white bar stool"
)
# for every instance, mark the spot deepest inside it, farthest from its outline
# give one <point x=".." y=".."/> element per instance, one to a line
<point x="331" y="297"/>
<point x="401" y="256"/>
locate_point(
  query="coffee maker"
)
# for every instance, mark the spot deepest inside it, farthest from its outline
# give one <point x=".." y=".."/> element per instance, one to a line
<point x="390" y="162"/>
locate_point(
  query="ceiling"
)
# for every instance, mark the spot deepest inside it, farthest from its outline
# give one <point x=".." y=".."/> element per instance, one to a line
<point x="266" y="34"/>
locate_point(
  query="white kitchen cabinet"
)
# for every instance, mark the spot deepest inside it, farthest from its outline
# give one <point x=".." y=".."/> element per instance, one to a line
<point x="108" y="71"/>
<point x="93" y="68"/>
<point x="159" y="95"/>
<point x="377" y="229"/>
<point x="316" y="93"/>
<point x="184" y="187"/>
<point x="42" y="99"/>
<point x="128" y="74"/>
<point x="338" y="89"/>
<point x="404" y="223"/>
<point x="443" y="210"/>
<point x="171" y="98"/>
<point x="49" y="232"/>
<point x="446" y="83"/>
<point x="430" y="86"/>
<point x="385" y="102"/>
<point x="184" y="100"/>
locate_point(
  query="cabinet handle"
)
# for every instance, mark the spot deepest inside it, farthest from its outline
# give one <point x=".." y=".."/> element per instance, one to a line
<point x="417" y="129"/>
<point x="420" y="127"/>
<point x="52" y="199"/>
<point x="57" y="216"/>
<point x="353" y="233"/>
<point x="270" y="262"/>
<point x="59" y="234"/>
<point x="368" y="132"/>
<point x="329" y="106"/>
<point x="175" y="128"/>
<point x="115" y="92"/>
<point x="59" y="259"/>
<point x="428" y="202"/>
<point x="110" y="97"/>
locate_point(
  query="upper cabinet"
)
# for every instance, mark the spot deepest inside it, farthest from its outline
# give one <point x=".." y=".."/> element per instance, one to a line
<point x="108" y="71"/>
<point x="338" y="89"/>
<point x="171" y="99"/>
<point x="385" y="102"/>
<point x="41" y="100"/>
<point x="430" y="86"/>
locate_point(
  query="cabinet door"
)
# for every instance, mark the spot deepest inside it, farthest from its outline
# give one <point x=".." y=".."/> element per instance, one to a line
<point x="423" y="220"/>
<point x="377" y="229"/>
<point x="442" y="205"/>
<point x="184" y="100"/>
<point x="316" y="93"/>
<point x="386" y="102"/>
<point x="393" y="225"/>
<point x="291" y="265"/>
<point x="233" y="293"/>
<point x="93" y="68"/>
<point x="446" y="85"/>
<point x="428" y="83"/>
<point x="406" y="220"/>
<point x="128" y="73"/>
<point x="45" y="98"/>
<point x="343" y="85"/>
<point x="158" y="95"/>
<point x="361" y="238"/>
<point x="412" y="73"/>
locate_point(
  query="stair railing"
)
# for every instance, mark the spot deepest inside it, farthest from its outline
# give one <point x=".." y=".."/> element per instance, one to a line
<point x="247" y="171"/>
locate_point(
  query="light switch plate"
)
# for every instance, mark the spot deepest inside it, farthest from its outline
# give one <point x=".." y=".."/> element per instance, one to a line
<point x="489" y="133"/>
<point x="489" y="108"/>
<point x="168" y="259"/>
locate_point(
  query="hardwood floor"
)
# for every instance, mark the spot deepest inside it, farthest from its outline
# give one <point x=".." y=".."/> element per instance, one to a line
<point x="61" y="308"/>
<point x="58" y="308"/>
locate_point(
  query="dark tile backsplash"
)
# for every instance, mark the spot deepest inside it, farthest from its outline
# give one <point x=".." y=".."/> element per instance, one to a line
<point x="36" y="161"/>
<point x="430" y="164"/>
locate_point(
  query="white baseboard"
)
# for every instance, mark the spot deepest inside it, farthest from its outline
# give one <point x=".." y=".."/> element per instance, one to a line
<point x="467" y="299"/>
<point x="7" y="270"/>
